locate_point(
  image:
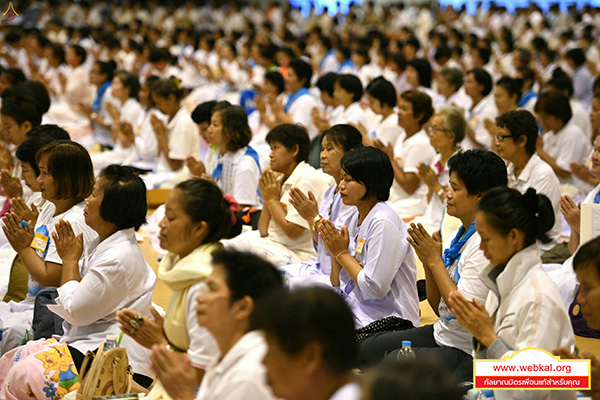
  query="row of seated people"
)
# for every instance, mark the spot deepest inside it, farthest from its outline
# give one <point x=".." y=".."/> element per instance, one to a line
<point x="376" y="281"/>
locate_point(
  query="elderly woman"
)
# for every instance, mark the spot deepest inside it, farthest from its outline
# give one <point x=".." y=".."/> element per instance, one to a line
<point x="447" y="130"/>
<point x="196" y="217"/>
<point x="113" y="275"/>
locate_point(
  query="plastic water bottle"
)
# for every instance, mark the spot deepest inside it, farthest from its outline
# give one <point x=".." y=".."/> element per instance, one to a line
<point x="406" y="352"/>
<point x="111" y="342"/>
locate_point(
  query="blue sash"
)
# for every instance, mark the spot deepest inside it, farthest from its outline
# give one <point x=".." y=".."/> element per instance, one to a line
<point x="101" y="91"/>
<point x="452" y="254"/>
<point x="292" y="97"/>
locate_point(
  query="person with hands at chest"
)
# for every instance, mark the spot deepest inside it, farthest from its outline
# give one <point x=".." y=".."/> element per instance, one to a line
<point x="64" y="187"/>
<point x="283" y="236"/>
<point x="337" y="141"/>
<point x="226" y="306"/>
<point x="196" y="217"/>
<point x="523" y="307"/>
<point x="457" y="267"/>
<point x="371" y="264"/>
<point x="113" y="274"/>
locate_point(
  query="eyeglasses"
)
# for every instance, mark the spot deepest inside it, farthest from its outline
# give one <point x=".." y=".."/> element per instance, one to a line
<point x="501" y="138"/>
<point x="436" y="129"/>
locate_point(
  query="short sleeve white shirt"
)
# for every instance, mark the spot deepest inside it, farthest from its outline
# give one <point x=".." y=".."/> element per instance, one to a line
<point x="184" y="139"/>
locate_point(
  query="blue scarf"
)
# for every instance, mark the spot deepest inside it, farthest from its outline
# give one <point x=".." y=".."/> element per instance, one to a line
<point x="218" y="171"/>
<point x="292" y="97"/>
<point x="452" y="254"/>
<point x="597" y="199"/>
<point x="347" y="63"/>
<point x="101" y="90"/>
<point x="526" y="97"/>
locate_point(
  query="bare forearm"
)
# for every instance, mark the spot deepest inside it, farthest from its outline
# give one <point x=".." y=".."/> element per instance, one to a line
<point x="263" y="221"/>
<point x="573" y="241"/>
<point x="70" y="272"/>
<point x="42" y="272"/>
<point x="433" y="294"/>
<point x="334" y="276"/>
<point x="350" y="265"/>
<point x="444" y="283"/>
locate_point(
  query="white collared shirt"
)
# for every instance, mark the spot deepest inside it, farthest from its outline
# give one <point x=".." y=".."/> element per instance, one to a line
<point x="240" y="374"/>
<point x="183" y="138"/>
<point x="539" y="175"/>
<point x="486" y="108"/>
<point x="239" y="177"/>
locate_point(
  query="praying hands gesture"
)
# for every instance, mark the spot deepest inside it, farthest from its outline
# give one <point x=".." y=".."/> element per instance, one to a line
<point x="23" y="212"/>
<point x="565" y="354"/>
<point x="307" y="206"/>
<point x="427" y="176"/>
<point x="146" y="331"/>
<point x="571" y="212"/>
<point x="197" y="168"/>
<point x="388" y="149"/>
<point x="6" y="162"/>
<point x="473" y="316"/>
<point x="68" y="245"/>
<point x="18" y="236"/>
<point x="174" y="371"/>
<point x="335" y="242"/>
<point x="11" y="184"/>
<point x="270" y="187"/>
<point x="428" y="249"/>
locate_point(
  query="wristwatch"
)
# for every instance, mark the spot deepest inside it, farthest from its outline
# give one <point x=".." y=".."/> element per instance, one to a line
<point x="316" y="221"/>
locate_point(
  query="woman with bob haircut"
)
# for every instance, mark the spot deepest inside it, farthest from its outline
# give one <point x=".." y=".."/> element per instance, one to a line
<point x="408" y="194"/>
<point x="372" y="263"/>
<point x="311" y="345"/>
<point x="337" y="141"/>
<point x="347" y="92"/>
<point x="113" y="275"/>
<point x="283" y="236"/>
<point x="523" y="307"/>
<point x="66" y="178"/>
<point x="515" y="142"/>
<point x="197" y="217"/>
<point x="382" y="100"/>
<point x="237" y="167"/>
<point x="179" y="137"/>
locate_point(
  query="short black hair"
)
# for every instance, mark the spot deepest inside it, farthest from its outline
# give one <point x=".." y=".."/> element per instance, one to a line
<point x="248" y="274"/>
<point x="325" y="82"/>
<point x="520" y="123"/>
<point x="484" y="53"/>
<point x="22" y="108"/>
<point x="204" y="201"/>
<point x="384" y="91"/>
<point x="15" y="76"/>
<point x="33" y="89"/>
<point x="131" y="81"/>
<point x="203" y="112"/>
<point x="588" y="255"/>
<point x="236" y="132"/>
<point x="512" y="86"/>
<point x="276" y="79"/>
<point x="80" y="52"/>
<point x="482" y="77"/>
<point x="371" y="167"/>
<point x="480" y="170"/>
<point x="54" y="131"/>
<point x="303" y="70"/>
<point x="508" y="209"/>
<point x="554" y="103"/>
<point x="107" y="68"/>
<point x="290" y="136"/>
<point x="423" y="68"/>
<point x="28" y="149"/>
<point x="344" y="136"/>
<point x="124" y="202"/>
<point x="561" y="82"/>
<point x="351" y="84"/>
<point x="313" y="314"/>
<point x="421" y="104"/>
<point x="577" y="55"/>
<point x="166" y="87"/>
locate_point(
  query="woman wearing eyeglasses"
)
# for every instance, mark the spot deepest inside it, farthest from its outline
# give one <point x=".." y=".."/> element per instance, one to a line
<point x="515" y="140"/>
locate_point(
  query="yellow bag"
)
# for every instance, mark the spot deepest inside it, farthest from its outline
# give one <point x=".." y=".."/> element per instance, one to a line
<point x="109" y="373"/>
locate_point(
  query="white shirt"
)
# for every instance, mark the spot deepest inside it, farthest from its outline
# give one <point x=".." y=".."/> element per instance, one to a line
<point x="567" y="146"/>
<point x="486" y="108"/>
<point x="240" y="177"/>
<point x="184" y="139"/>
<point x="409" y="154"/>
<point x="353" y="114"/>
<point x="446" y="330"/>
<point x="304" y="178"/>
<point x="459" y="99"/>
<point x="527" y="311"/>
<point x="539" y="175"/>
<point x="143" y="153"/>
<point x="301" y="112"/>
<point x="114" y="276"/>
<point x="203" y="350"/>
<point x="388" y="130"/>
<point x="350" y="391"/>
<point x="581" y="117"/>
<point x="240" y="374"/>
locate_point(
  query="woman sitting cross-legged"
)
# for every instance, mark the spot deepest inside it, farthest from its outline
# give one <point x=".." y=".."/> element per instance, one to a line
<point x="371" y="262"/>
<point x="113" y="275"/>
<point x="523" y="307"/>
<point x="337" y="141"/>
<point x="283" y="236"/>
<point x="196" y="217"/>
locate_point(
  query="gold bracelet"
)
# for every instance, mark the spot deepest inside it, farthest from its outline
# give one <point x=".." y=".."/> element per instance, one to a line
<point x="340" y="253"/>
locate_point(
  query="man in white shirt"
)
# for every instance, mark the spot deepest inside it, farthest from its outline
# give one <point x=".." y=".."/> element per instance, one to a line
<point x="312" y="350"/>
<point x="226" y="307"/>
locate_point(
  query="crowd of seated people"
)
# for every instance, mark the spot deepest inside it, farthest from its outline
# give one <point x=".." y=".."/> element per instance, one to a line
<point x="315" y="168"/>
